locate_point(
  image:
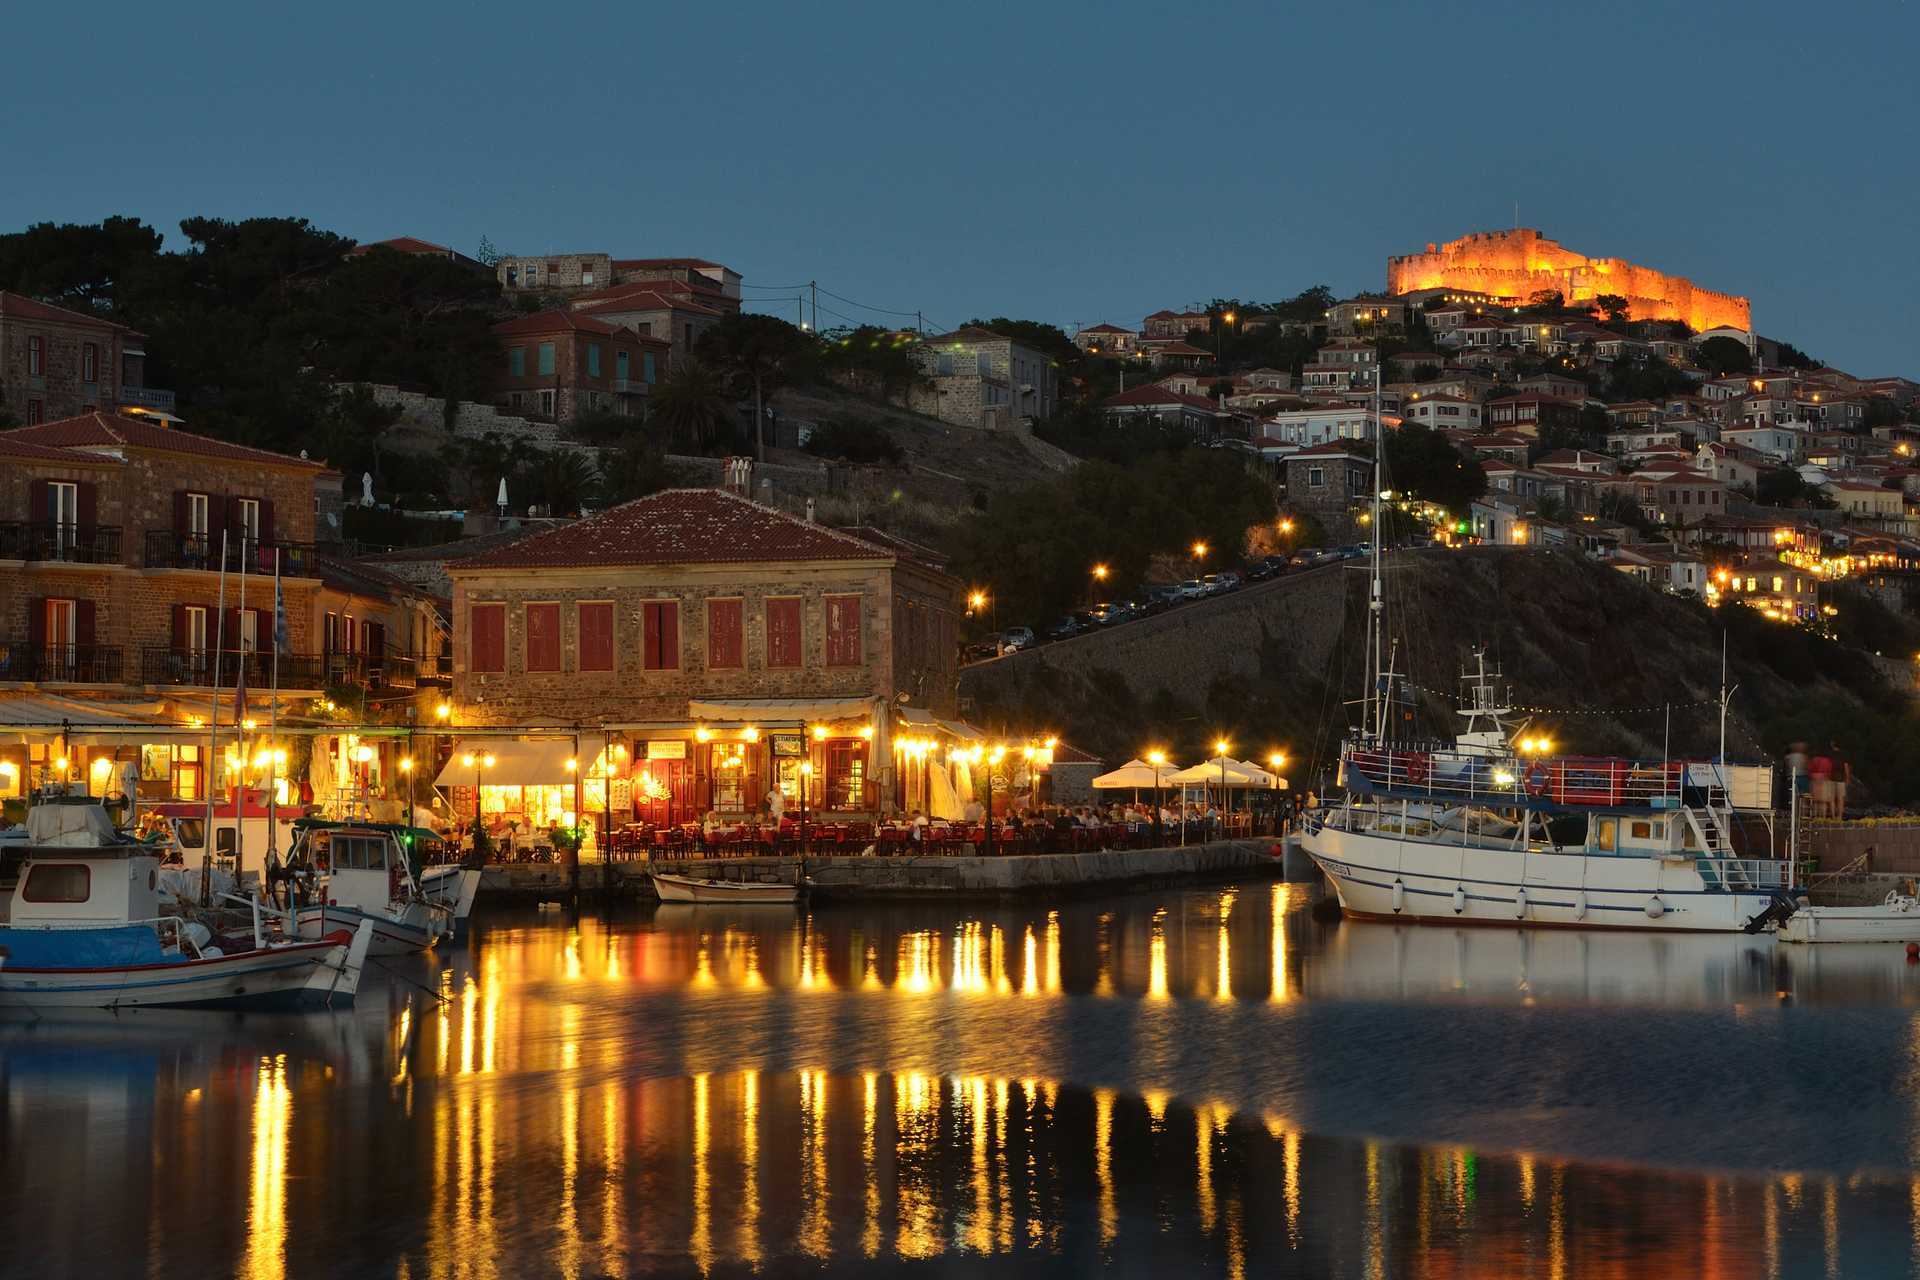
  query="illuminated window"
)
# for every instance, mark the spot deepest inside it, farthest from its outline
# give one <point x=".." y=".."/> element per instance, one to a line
<point x="57" y="882"/>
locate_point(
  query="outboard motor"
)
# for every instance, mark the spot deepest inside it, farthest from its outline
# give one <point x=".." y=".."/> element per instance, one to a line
<point x="1779" y="907"/>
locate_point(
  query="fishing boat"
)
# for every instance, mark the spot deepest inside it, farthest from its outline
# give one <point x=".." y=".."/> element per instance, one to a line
<point x="452" y="887"/>
<point x="673" y="888"/>
<point x="1897" y="919"/>
<point x="1491" y="827"/>
<point x="84" y="930"/>
<point x="341" y="874"/>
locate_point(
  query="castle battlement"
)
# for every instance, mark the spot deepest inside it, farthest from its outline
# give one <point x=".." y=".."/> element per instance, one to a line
<point x="1521" y="262"/>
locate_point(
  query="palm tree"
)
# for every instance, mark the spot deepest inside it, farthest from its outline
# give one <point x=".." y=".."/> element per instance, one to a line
<point x="758" y="351"/>
<point x="694" y="405"/>
<point x="566" y="481"/>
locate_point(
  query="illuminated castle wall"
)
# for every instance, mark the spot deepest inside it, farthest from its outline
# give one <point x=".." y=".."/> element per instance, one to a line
<point x="1516" y="264"/>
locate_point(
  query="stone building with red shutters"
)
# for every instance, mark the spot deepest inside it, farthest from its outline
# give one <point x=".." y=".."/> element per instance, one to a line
<point x="720" y="649"/>
<point x="113" y="534"/>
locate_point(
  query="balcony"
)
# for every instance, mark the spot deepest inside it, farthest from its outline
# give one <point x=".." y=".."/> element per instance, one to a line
<point x="62" y="663"/>
<point x="146" y="398"/>
<point x="196" y="667"/>
<point x="630" y="386"/>
<point x="382" y="671"/>
<point x="166" y="549"/>
<point x="59" y="541"/>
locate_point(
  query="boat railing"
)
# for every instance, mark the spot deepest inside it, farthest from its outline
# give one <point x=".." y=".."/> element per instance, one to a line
<point x="1536" y="782"/>
<point x="1745" y="874"/>
<point x="172" y="930"/>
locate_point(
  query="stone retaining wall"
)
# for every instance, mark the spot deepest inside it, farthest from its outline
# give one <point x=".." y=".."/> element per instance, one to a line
<point x="1895" y="846"/>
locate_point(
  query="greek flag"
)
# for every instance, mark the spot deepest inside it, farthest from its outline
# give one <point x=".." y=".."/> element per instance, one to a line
<point x="279" y="610"/>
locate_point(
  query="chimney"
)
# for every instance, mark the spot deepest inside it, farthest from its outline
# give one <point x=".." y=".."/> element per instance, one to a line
<point x="809" y="510"/>
<point x="737" y="476"/>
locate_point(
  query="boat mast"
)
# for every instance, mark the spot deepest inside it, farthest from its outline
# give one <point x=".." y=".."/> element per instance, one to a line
<point x="1376" y="597"/>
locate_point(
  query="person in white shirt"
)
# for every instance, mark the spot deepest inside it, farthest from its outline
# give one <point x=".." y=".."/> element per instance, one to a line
<point x="776" y="803"/>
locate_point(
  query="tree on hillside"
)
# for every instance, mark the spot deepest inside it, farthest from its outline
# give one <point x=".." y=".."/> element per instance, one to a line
<point x="694" y="406"/>
<point x="1792" y="357"/>
<point x="850" y="440"/>
<point x="85" y="266"/>
<point x="1423" y="462"/>
<point x="1722" y="356"/>
<point x="1613" y="307"/>
<point x="634" y="470"/>
<point x="1049" y="339"/>
<point x="758" y="351"/>
<point x="873" y="358"/>
<point x="1546" y="301"/>
<point x="1784" y="487"/>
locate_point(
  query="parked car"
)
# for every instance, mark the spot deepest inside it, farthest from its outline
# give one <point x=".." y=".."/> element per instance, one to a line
<point x="981" y="651"/>
<point x="1104" y="615"/>
<point x="1016" y="638"/>
<point x="1266" y="567"/>
<point x="1193" y="589"/>
<point x="1162" y="596"/>
<point x="1228" y="581"/>
<point x="1065" y="628"/>
<point x="1305" y="558"/>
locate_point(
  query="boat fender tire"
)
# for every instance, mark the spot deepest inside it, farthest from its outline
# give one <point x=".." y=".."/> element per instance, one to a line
<point x="1459" y="899"/>
<point x="1580" y="905"/>
<point x="1655" y="908"/>
<point x="1399" y="896"/>
<point x="1520" y="903"/>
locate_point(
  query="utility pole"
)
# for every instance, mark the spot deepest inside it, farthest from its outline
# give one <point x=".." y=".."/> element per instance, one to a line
<point x="815" y="286"/>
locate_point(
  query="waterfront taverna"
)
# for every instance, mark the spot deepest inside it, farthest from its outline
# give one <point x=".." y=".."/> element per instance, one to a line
<point x="697" y="652"/>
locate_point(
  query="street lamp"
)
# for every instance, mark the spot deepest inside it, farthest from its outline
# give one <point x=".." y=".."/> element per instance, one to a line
<point x="806" y="833"/>
<point x="993" y="758"/>
<point x="477" y="762"/>
<point x="1220" y="746"/>
<point x="1157" y="759"/>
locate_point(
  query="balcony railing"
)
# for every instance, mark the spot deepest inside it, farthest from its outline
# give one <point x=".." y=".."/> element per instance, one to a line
<point x="67" y="663"/>
<point x="383" y="671"/>
<point x="147" y="398"/>
<point x="56" y="540"/>
<point x="197" y="667"/>
<point x="169" y="550"/>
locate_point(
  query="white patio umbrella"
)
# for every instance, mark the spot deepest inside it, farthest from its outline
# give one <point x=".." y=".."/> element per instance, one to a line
<point x="1136" y="775"/>
<point x="1222" y="769"/>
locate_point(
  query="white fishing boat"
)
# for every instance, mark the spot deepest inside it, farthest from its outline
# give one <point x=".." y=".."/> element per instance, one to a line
<point x="341" y="874"/>
<point x="1492" y="828"/>
<point x="1897" y="919"/>
<point x="673" y="888"/>
<point x="454" y="888"/>
<point x="84" y="930"/>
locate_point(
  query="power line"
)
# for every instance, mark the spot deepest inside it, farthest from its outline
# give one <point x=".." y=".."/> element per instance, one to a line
<point x="885" y="311"/>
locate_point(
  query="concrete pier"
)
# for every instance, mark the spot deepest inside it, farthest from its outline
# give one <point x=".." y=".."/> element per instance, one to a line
<point x="928" y="876"/>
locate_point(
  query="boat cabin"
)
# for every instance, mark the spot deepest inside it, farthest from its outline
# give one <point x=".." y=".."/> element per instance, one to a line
<point x="86" y="886"/>
<point x="361" y="864"/>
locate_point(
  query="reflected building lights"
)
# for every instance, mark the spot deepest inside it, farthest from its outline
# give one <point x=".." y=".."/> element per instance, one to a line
<point x="569" y="1224"/>
<point x="1203" y="1165"/>
<point x="1290" y="1165"/>
<point x="1277" y="988"/>
<point x="1030" y="982"/>
<point x="1103" y="1164"/>
<point x="870" y="1081"/>
<point x="266" y="1257"/>
<point x="749" y="1233"/>
<point x="1157" y="956"/>
<point x="700" y="1239"/>
<point x="815" y="1237"/>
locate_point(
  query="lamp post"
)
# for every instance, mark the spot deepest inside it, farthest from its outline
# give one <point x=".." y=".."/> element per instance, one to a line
<point x="1276" y="762"/>
<point x="994" y="757"/>
<point x="1099" y="572"/>
<point x="1220" y="751"/>
<point x="1156" y="759"/>
<point x="477" y="762"/>
<point x="806" y="832"/>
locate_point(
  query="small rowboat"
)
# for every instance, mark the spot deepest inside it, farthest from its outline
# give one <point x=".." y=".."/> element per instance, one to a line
<point x="1895" y="920"/>
<point x="688" y="889"/>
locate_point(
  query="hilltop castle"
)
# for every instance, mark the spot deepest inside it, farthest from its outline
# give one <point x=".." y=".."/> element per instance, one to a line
<point x="1513" y="265"/>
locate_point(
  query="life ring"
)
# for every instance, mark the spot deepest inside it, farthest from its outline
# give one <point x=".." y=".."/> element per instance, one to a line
<point x="1418" y="766"/>
<point x="1538" y="776"/>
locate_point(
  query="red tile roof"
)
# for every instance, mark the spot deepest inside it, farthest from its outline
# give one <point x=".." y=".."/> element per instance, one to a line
<point x="19" y="306"/>
<point x="98" y="429"/>
<point x="558" y="321"/>
<point x="643" y="295"/>
<point x="403" y="244"/>
<point x="680" y="526"/>
<point x="48" y="453"/>
<point x="1107" y="328"/>
<point x="643" y="263"/>
<point x="1153" y="393"/>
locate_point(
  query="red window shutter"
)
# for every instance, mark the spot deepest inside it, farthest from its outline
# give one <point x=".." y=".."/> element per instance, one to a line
<point x="489" y="637"/>
<point x="543" y="637"/>
<point x="37" y="622"/>
<point x="83" y="623"/>
<point x="724" y="620"/>
<point x="783" y="632"/>
<point x="670" y="635"/>
<point x="262" y="629"/>
<point x="230" y="640"/>
<point x="180" y="628"/>
<point x="87" y="503"/>
<point x="596" y="637"/>
<point x="843" y="631"/>
<point x="180" y="511"/>
<point x="266" y="519"/>
<point x="39" y="501"/>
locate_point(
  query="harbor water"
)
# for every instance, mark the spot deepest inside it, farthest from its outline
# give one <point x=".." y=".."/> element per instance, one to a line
<point x="1202" y="1081"/>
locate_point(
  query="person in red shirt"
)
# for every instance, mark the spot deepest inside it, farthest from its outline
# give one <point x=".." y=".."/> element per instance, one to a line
<point x="1820" y="774"/>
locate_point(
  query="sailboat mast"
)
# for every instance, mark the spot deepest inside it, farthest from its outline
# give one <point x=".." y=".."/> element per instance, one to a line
<point x="1376" y="597"/>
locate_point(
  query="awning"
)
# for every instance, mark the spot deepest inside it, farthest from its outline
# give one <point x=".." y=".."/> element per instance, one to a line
<point x="1222" y="768"/>
<point x="90" y="723"/>
<point x="916" y="718"/>
<point x="1134" y="775"/>
<point x="539" y="763"/>
<point x="763" y="711"/>
<point x="960" y="729"/>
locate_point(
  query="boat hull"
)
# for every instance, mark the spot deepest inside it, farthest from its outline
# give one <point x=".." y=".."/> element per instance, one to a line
<point x="406" y="935"/>
<point x="453" y="888"/>
<point x="688" y="889"/>
<point x="1851" y="924"/>
<point x="1382" y="877"/>
<point x="287" y="977"/>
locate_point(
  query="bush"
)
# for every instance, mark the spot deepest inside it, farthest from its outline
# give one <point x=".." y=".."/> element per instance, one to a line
<point x="851" y="441"/>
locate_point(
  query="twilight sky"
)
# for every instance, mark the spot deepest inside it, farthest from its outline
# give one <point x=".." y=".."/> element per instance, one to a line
<point x="1065" y="163"/>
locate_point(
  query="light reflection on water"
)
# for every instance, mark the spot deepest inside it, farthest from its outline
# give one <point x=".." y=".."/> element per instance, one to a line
<point x="1203" y="1081"/>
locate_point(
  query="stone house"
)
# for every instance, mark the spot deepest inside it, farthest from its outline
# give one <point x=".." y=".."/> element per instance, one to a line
<point x="556" y="365"/>
<point x="725" y="648"/>
<point x="1176" y="324"/>
<point x="1332" y="482"/>
<point x="1442" y="411"/>
<point x="567" y="274"/>
<point x="57" y="363"/>
<point x="978" y="378"/>
<point x="1368" y="313"/>
<point x="113" y="534"/>
<point x="652" y="310"/>
<point x="554" y="272"/>
<point x="1107" y="340"/>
